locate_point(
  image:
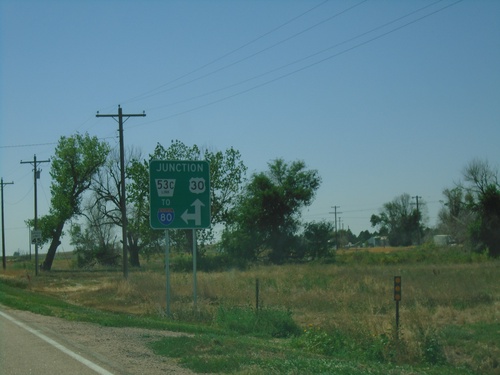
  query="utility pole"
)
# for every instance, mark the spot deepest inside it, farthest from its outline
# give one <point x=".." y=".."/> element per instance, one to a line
<point x="120" y="121"/>
<point x="36" y="175"/>
<point x="418" y="223"/>
<point x="3" y="225"/>
<point x="336" y="229"/>
<point x="417" y="198"/>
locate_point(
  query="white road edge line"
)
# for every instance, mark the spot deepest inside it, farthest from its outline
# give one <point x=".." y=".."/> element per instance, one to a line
<point x="55" y="344"/>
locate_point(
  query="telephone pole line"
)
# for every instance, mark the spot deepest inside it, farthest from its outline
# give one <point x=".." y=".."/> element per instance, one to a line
<point x="417" y="198"/>
<point x="4" y="264"/>
<point x="336" y="229"/>
<point x="120" y="121"/>
<point x="36" y="175"/>
<point x="418" y="223"/>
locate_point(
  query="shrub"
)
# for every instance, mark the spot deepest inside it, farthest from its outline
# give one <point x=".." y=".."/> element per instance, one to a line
<point x="433" y="352"/>
<point x="317" y="340"/>
<point x="265" y="322"/>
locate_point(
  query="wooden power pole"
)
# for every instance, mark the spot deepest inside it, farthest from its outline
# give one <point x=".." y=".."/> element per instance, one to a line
<point x="119" y="118"/>
<point x="36" y="175"/>
<point x="3" y="225"/>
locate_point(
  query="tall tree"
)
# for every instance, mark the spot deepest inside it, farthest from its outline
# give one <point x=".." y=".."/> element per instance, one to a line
<point x="456" y="216"/>
<point x="479" y="175"/>
<point x="106" y="186"/>
<point x="483" y="190"/>
<point x="400" y="220"/>
<point x="267" y="217"/>
<point x="95" y="241"/>
<point x="487" y="229"/>
<point x="77" y="158"/>
<point x="318" y="237"/>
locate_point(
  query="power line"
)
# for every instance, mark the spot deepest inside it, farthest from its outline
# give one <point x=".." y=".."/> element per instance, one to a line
<point x="150" y="93"/>
<point x="258" y="52"/>
<point x="23" y="198"/>
<point x="298" y="60"/>
<point x="285" y="75"/>
<point x="29" y="145"/>
<point x="273" y="70"/>
<point x="42" y="144"/>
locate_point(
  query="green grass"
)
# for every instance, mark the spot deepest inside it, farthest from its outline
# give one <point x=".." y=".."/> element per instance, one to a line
<point x="247" y="355"/>
<point x="475" y="345"/>
<point x="264" y="323"/>
<point x="313" y="318"/>
<point x="23" y="299"/>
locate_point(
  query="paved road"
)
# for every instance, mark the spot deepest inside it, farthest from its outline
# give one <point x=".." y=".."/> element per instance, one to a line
<point x="25" y="350"/>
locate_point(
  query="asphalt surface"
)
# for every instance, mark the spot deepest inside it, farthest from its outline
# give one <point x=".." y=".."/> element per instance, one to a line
<point x="27" y="350"/>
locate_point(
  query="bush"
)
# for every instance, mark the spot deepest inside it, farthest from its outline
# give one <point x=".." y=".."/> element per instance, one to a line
<point x="433" y="352"/>
<point x="105" y="255"/>
<point x="316" y="340"/>
<point x="265" y="322"/>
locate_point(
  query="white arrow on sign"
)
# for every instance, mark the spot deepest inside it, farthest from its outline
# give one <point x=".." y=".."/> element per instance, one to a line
<point x="196" y="216"/>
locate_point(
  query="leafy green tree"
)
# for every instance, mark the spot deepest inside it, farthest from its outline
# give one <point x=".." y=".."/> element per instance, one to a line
<point x="400" y="220"/>
<point x="77" y="158"/>
<point x="318" y="237"/>
<point x="267" y="216"/>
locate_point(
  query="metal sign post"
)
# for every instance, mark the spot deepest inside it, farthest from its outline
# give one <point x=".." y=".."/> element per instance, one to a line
<point x="167" y="270"/>
<point x="179" y="193"/>
<point x="194" y="270"/>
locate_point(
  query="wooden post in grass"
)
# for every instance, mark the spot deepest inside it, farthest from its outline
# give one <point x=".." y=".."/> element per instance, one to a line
<point x="397" y="298"/>
<point x="257" y="295"/>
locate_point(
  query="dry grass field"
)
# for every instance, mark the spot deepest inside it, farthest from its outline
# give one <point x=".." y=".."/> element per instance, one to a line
<point x="355" y="299"/>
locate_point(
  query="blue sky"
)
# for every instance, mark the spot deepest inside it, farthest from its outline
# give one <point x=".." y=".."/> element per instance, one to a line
<point x="381" y="97"/>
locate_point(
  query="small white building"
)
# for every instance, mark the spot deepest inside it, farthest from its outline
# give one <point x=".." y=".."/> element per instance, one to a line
<point x="377" y="241"/>
<point x="442" y="239"/>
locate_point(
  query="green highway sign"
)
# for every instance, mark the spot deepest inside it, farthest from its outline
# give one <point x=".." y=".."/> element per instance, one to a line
<point x="179" y="193"/>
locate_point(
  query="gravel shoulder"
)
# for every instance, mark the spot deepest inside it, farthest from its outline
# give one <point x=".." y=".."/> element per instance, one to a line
<point x="122" y="350"/>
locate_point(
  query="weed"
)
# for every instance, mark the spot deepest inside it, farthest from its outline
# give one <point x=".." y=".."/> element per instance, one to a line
<point x="264" y="323"/>
<point x="433" y="350"/>
<point x="317" y="340"/>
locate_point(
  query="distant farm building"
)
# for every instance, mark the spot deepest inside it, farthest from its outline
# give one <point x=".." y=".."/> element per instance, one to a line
<point x="442" y="240"/>
<point x="377" y="241"/>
